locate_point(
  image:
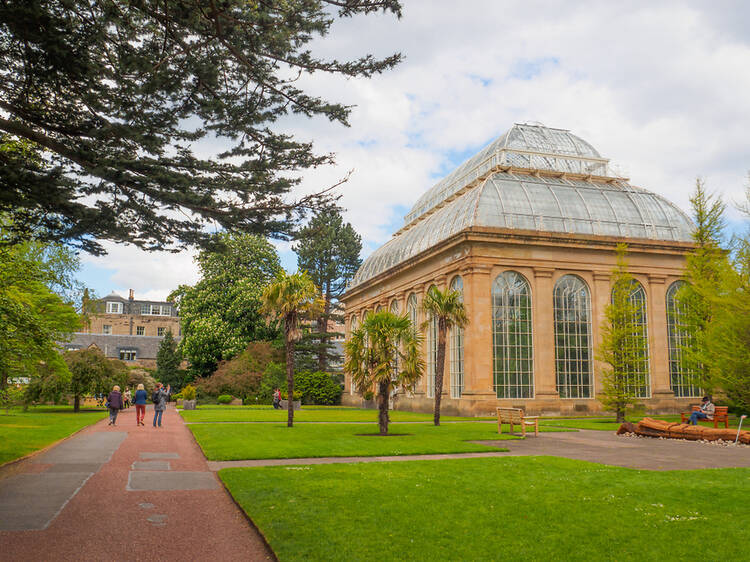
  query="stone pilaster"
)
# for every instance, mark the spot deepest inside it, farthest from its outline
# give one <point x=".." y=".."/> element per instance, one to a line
<point x="478" y="380"/>
<point x="600" y="299"/>
<point x="545" y="386"/>
<point x="658" y="338"/>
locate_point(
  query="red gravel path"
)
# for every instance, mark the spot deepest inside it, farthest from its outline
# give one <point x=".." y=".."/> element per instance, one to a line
<point x="103" y="521"/>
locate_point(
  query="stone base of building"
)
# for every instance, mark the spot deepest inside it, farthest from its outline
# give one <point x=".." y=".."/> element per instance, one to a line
<point x="485" y="404"/>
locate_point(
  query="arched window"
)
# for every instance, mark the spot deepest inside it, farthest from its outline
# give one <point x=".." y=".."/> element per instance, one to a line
<point x="411" y="308"/>
<point x="573" y="361"/>
<point x="379" y="308"/>
<point x="457" y="348"/>
<point x="640" y="380"/>
<point x="353" y="325"/>
<point x="432" y="345"/>
<point x="682" y="379"/>
<point x="513" y="361"/>
<point x="394" y="310"/>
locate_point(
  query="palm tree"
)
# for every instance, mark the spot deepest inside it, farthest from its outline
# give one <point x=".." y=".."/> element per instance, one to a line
<point x="447" y="309"/>
<point x="370" y="357"/>
<point x="289" y="297"/>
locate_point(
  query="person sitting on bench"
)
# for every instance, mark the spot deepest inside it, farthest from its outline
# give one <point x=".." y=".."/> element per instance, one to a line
<point x="705" y="413"/>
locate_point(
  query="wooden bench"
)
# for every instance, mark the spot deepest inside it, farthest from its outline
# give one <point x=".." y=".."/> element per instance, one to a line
<point x="721" y="414"/>
<point x="515" y="416"/>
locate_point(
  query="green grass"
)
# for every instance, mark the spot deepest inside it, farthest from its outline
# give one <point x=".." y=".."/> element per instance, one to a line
<point x="306" y="414"/>
<point x="22" y="433"/>
<point x="527" y="508"/>
<point x="222" y="442"/>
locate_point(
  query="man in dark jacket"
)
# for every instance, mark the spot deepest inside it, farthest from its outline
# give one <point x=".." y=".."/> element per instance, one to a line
<point x="115" y="404"/>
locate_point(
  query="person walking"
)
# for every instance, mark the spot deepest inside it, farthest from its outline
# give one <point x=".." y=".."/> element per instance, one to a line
<point x="140" y="404"/>
<point x="276" y="399"/>
<point x="160" y="399"/>
<point x="128" y="398"/>
<point x="115" y="404"/>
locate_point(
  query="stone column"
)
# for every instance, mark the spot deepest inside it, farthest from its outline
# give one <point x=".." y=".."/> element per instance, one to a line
<point x="658" y="339"/>
<point x="600" y="299"/>
<point x="478" y="379"/>
<point x="545" y="384"/>
<point x="420" y="388"/>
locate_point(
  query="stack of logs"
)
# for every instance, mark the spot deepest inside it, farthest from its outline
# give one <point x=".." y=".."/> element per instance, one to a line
<point x="648" y="427"/>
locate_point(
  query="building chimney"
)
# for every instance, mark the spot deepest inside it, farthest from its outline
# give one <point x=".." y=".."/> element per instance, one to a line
<point x="131" y="295"/>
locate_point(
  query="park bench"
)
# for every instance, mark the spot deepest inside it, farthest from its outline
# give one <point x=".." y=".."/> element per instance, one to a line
<point x="721" y="414"/>
<point x="516" y="416"/>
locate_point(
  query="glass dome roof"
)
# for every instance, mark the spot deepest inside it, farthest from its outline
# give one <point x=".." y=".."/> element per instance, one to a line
<point x="531" y="178"/>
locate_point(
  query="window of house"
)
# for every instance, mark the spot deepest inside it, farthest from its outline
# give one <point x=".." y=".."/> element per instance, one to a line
<point x="114" y="308"/>
<point x="128" y="354"/>
<point x="573" y="357"/>
<point x="161" y="331"/>
<point x="140" y="330"/>
<point x="513" y="359"/>
<point x="107" y="329"/>
<point x="145" y="309"/>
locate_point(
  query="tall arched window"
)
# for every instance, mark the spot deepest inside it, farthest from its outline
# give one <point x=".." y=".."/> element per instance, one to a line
<point x="394" y="310"/>
<point x="640" y="383"/>
<point x="457" y="348"/>
<point x="411" y="309"/>
<point x="432" y="345"/>
<point x="573" y="361"/>
<point x="353" y="325"/>
<point x="513" y="361"/>
<point x="682" y="379"/>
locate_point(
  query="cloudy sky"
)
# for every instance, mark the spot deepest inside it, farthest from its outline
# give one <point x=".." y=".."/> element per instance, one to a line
<point x="661" y="88"/>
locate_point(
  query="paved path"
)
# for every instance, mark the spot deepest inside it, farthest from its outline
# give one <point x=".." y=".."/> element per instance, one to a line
<point x="109" y="493"/>
<point x="596" y="446"/>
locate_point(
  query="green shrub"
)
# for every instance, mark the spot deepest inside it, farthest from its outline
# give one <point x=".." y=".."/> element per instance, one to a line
<point x="240" y="376"/>
<point x="297" y="395"/>
<point x="224" y="399"/>
<point x="368" y="395"/>
<point x="273" y="377"/>
<point x="317" y="388"/>
<point x="188" y="393"/>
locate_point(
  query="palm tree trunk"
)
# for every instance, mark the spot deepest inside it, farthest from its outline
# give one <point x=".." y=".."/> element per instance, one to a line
<point x="289" y="379"/>
<point x="383" y="391"/>
<point x="439" y="369"/>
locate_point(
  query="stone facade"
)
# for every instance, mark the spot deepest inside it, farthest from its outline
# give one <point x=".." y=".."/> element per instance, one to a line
<point x="127" y="329"/>
<point x="478" y="254"/>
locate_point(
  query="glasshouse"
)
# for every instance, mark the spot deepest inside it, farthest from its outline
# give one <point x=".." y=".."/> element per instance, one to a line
<point x="526" y="230"/>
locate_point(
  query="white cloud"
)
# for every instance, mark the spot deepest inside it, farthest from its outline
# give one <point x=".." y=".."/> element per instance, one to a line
<point x="660" y="88"/>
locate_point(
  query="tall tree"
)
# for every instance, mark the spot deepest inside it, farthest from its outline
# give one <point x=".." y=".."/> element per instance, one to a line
<point x="33" y="317"/>
<point x="447" y="309"/>
<point x="384" y="351"/>
<point x="726" y="352"/>
<point x="221" y="313"/>
<point x="93" y="373"/>
<point x="168" y="360"/>
<point x="289" y="298"/>
<point x="706" y="265"/>
<point x="111" y="98"/>
<point x="623" y="348"/>
<point x="328" y="249"/>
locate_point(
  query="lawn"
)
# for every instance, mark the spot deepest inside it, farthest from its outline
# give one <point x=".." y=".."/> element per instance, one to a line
<point x="222" y="442"/>
<point x="24" y="432"/>
<point x="306" y="414"/>
<point x="528" y="508"/>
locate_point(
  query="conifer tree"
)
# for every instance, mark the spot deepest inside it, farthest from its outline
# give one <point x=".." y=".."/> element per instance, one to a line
<point x="102" y="104"/>
<point x="623" y="348"/>
<point x="706" y="264"/>
<point x="168" y="360"/>
<point x="328" y="249"/>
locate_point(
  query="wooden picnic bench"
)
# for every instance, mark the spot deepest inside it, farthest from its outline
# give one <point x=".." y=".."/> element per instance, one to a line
<point x="721" y="414"/>
<point x="516" y="416"/>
